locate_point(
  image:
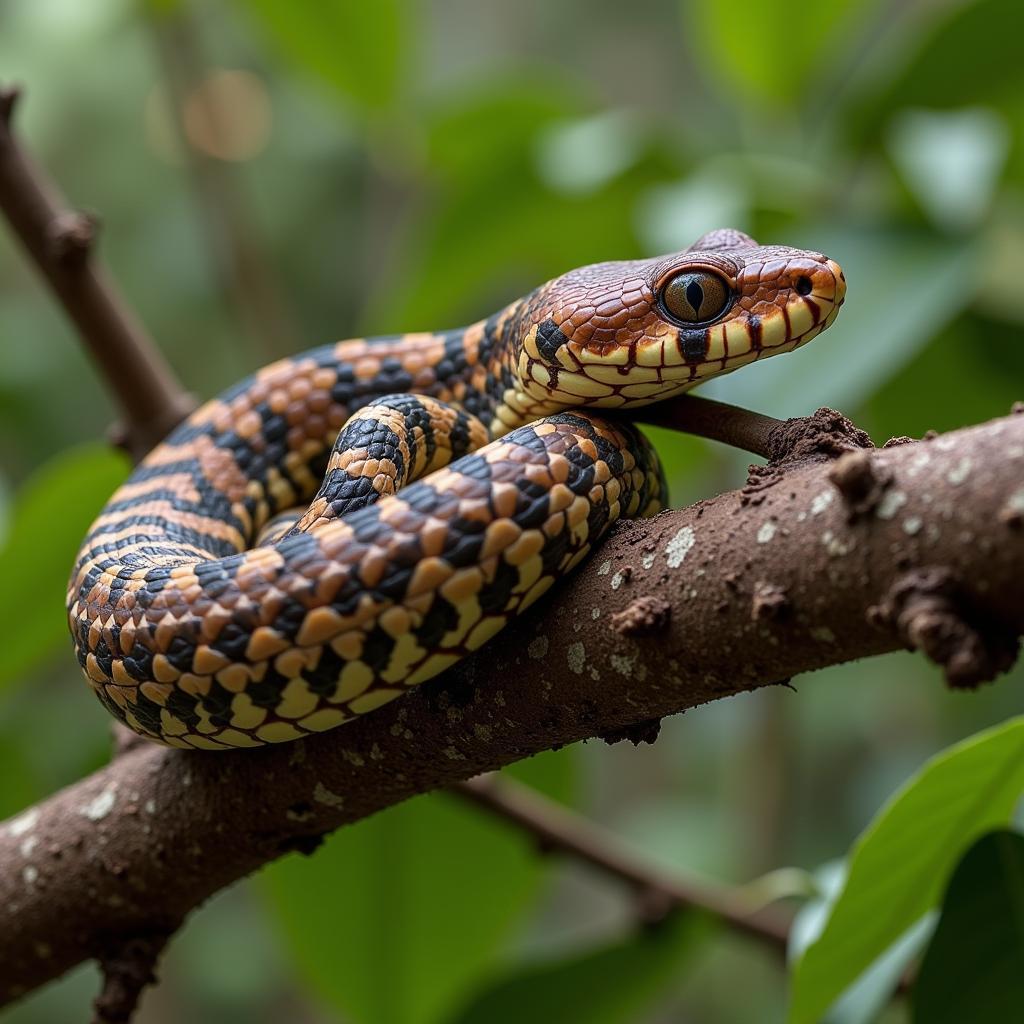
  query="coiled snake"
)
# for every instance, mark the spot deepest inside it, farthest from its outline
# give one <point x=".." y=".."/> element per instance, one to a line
<point x="262" y="576"/>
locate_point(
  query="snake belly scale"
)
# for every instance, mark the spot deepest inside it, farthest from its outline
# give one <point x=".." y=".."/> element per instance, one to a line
<point x="348" y="523"/>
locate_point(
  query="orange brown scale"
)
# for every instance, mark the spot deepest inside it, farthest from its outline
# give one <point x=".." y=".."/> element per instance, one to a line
<point x="348" y="523"/>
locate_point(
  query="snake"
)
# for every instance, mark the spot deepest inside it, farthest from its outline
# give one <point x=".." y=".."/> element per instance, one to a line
<point x="347" y="523"/>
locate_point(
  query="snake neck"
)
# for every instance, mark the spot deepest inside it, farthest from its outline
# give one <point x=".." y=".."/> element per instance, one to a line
<point x="504" y="348"/>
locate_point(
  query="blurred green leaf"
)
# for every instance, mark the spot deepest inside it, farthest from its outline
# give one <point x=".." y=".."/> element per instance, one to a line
<point x="393" y="918"/>
<point x="50" y="515"/>
<point x="359" y="49"/>
<point x="612" y="985"/>
<point x="951" y="160"/>
<point x="17" y="788"/>
<point x="974" y="967"/>
<point x="916" y="399"/>
<point x="496" y="227"/>
<point x="900" y="863"/>
<point x="578" y="157"/>
<point x="474" y="133"/>
<point x="903" y="289"/>
<point x="981" y="39"/>
<point x="765" y="53"/>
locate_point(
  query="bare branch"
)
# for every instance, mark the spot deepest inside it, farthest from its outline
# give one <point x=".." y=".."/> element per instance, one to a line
<point x="61" y="244"/>
<point x="716" y="421"/>
<point x="557" y="828"/>
<point x="157" y="832"/>
<point x="127" y="968"/>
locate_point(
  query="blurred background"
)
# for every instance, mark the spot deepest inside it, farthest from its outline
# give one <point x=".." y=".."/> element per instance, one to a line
<point x="271" y="176"/>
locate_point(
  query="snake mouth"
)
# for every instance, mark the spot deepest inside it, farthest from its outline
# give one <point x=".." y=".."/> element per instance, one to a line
<point x="758" y="328"/>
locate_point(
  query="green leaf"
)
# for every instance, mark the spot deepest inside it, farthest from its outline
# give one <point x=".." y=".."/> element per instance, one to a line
<point x="49" y="518"/>
<point x="766" y="54"/>
<point x="392" y="918"/>
<point x="611" y="985"/>
<point x="358" y="49"/>
<point x="974" y="968"/>
<point x="900" y="864"/>
<point x="862" y="1002"/>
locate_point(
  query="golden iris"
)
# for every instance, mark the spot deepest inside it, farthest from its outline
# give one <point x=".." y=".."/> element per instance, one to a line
<point x="695" y="296"/>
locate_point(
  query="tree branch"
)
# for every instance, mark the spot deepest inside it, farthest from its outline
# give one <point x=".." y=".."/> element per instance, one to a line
<point x="717" y="421"/>
<point x="792" y="573"/>
<point x="60" y="242"/>
<point x="557" y="828"/>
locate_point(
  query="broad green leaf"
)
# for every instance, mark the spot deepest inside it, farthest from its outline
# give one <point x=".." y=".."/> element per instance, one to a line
<point x="974" y="967"/>
<point x="611" y="985"/>
<point x="48" y="520"/>
<point x="901" y="862"/>
<point x="764" y="53"/>
<point x="872" y="991"/>
<point x="903" y="289"/>
<point x="394" y="917"/>
<point x="358" y="49"/>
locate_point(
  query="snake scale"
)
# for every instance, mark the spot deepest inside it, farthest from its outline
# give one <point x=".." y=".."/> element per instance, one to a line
<point x="347" y="523"/>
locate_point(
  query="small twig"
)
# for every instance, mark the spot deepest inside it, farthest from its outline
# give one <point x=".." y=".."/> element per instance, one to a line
<point x="128" y="968"/>
<point x="61" y="244"/>
<point x="557" y="828"/>
<point x="717" y="421"/>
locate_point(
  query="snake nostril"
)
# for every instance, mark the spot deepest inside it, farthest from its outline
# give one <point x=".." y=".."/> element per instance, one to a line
<point x="804" y="286"/>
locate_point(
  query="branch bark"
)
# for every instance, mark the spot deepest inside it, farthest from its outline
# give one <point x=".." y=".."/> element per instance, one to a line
<point x="810" y="565"/>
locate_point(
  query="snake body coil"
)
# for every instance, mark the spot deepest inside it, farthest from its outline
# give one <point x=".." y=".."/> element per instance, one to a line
<point x="262" y="576"/>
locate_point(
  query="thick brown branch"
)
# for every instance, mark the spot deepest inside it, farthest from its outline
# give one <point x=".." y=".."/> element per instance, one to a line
<point x="60" y="243"/>
<point x="780" y="578"/>
<point x="557" y="828"/>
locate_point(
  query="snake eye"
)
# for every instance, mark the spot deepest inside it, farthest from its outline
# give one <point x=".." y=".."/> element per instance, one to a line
<point x="695" y="296"/>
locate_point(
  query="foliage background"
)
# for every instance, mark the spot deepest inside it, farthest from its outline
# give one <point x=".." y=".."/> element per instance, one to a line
<point x="401" y="165"/>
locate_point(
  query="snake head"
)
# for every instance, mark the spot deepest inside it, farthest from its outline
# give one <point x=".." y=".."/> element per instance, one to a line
<point x="630" y="333"/>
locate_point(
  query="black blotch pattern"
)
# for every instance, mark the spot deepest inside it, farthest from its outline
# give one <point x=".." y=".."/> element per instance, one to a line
<point x="495" y="595"/>
<point x="442" y="618"/>
<point x="323" y="678"/>
<point x="266" y="692"/>
<point x="549" y="340"/>
<point x="693" y="345"/>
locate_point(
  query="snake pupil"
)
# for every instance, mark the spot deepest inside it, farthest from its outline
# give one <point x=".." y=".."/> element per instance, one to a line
<point x="803" y="286"/>
<point x="695" y="297"/>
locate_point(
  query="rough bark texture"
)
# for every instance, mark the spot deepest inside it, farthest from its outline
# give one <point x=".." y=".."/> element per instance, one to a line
<point x="812" y="564"/>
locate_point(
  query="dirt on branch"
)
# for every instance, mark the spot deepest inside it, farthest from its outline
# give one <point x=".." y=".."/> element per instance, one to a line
<point x="814" y="564"/>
